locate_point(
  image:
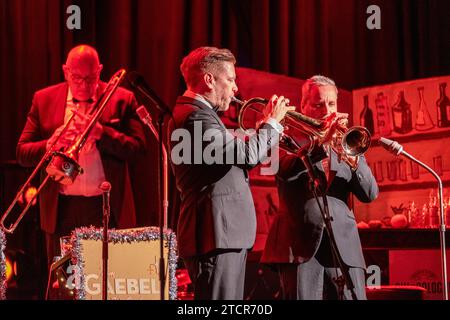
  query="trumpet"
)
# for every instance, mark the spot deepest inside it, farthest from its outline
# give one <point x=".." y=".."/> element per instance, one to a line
<point x="348" y="143"/>
<point x="63" y="166"/>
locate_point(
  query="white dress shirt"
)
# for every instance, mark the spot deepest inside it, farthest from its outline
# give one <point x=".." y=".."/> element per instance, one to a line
<point x="86" y="184"/>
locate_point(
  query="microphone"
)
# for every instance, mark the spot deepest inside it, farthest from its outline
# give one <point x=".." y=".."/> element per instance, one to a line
<point x="144" y="115"/>
<point x="105" y="186"/>
<point x="392" y="146"/>
<point x="147" y="120"/>
<point x="137" y="82"/>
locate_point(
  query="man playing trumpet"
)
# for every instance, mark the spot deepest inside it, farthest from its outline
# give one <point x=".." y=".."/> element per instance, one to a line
<point x="298" y="244"/>
<point x="217" y="222"/>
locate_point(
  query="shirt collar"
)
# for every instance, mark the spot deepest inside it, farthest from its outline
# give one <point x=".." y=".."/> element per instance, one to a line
<point x="191" y="94"/>
<point x="70" y="96"/>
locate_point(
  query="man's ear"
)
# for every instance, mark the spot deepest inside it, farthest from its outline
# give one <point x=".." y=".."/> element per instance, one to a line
<point x="209" y="80"/>
<point x="65" y="71"/>
<point x="100" y="68"/>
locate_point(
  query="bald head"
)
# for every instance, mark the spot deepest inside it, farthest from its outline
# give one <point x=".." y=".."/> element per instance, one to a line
<point x="82" y="54"/>
<point x="82" y="71"/>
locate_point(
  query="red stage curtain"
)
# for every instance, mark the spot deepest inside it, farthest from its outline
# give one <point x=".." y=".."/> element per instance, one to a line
<point x="296" y="38"/>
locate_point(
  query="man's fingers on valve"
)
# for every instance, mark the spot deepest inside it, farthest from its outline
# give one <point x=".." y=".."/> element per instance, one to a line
<point x="280" y="101"/>
<point x="274" y="98"/>
<point x="270" y="105"/>
<point x="81" y="116"/>
<point x="342" y="118"/>
<point x="340" y="115"/>
<point x="290" y="108"/>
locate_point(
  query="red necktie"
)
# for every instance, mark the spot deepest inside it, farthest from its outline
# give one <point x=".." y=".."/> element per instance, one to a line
<point x="326" y="167"/>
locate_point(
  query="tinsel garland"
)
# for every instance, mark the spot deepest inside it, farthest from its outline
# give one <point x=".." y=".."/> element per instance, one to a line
<point x="124" y="236"/>
<point x="2" y="266"/>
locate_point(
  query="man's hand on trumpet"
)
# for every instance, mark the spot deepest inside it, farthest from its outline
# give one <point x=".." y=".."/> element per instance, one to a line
<point x="64" y="140"/>
<point x="74" y="131"/>
<point x="276" y="108"/>
<point x="338" y="123"/>
<point x="334" y="122"/>
<point x="82" y="121"/>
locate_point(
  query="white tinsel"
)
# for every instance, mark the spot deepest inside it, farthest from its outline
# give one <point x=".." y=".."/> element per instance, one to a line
<point x="2" y="266"/>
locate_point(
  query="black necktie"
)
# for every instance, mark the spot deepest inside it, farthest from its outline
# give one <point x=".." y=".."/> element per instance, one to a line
<point x="89" y="101"/>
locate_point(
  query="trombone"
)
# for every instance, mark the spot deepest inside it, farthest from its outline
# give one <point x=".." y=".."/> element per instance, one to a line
<point x="348" y="143"/>
<point x="63" y="166"/>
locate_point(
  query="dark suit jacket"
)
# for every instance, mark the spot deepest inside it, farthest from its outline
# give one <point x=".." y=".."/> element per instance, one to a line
<point x="217" y="209"/>
<point x="123" y="137"/>
<point x="297" y="230"/>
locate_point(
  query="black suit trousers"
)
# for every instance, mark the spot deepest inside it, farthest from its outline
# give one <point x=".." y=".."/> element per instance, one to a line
<point x="74" y="212"/>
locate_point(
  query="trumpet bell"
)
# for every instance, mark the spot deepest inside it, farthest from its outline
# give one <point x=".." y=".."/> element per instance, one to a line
<point x="356" y="141"/>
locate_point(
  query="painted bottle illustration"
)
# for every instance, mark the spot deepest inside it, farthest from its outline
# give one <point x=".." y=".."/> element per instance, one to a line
<point x="366" y="116"/>
<point x="392" y="170"/>
<point x="401" y="114"/>
<point x="434" y="212"/>
<point x="437" y="165"/>
<point x="383" y="117"/>
<point x="413" y="216"/>
<point x="425" y="217"/>
<point x="447" y="212"/>
<point x="378" y="171"/>
<point x="443" y="107"/>
<point x="414" y="170"/>
<point x="402" y="170"/>
<point x="423" y="118"/>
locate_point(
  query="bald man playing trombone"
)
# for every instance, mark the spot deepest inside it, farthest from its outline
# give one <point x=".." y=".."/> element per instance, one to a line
<point x="117" y="136"/>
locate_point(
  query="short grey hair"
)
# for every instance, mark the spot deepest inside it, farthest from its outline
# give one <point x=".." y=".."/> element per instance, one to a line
<point x="318" y="81"/>
<point x="203" y="60"/>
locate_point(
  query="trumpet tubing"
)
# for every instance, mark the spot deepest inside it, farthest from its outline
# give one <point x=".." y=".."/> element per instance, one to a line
<point x="347" y="142"/>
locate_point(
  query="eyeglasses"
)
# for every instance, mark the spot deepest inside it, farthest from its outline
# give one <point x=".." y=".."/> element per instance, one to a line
<point x="91" y="79"/>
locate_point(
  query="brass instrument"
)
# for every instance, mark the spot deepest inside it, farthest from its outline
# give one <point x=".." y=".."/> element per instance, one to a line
<point x="348" y="143"/>
<point x="63" y="166"/>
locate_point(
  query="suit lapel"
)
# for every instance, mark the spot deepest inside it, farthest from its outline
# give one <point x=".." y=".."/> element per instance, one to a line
<point x="59" y="106"/>
<point x="334" y="166"/>
<point x="201" y="105"/>
<point x="106" y="115"/>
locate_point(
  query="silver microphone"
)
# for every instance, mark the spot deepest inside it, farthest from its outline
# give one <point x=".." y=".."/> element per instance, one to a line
<point x="144" y="115"/>
<point x="392" y="146"/>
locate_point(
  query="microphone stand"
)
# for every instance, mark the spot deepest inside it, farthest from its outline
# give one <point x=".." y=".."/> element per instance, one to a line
<point x="162" y="178"/>
<point x="397" y="149"/>
<point x="137" y="82"/>
<point x="146" y="118"/>
<point x="106" y="188"/>
<point x="344" y="278"/>
<point x="163" y="183"/>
